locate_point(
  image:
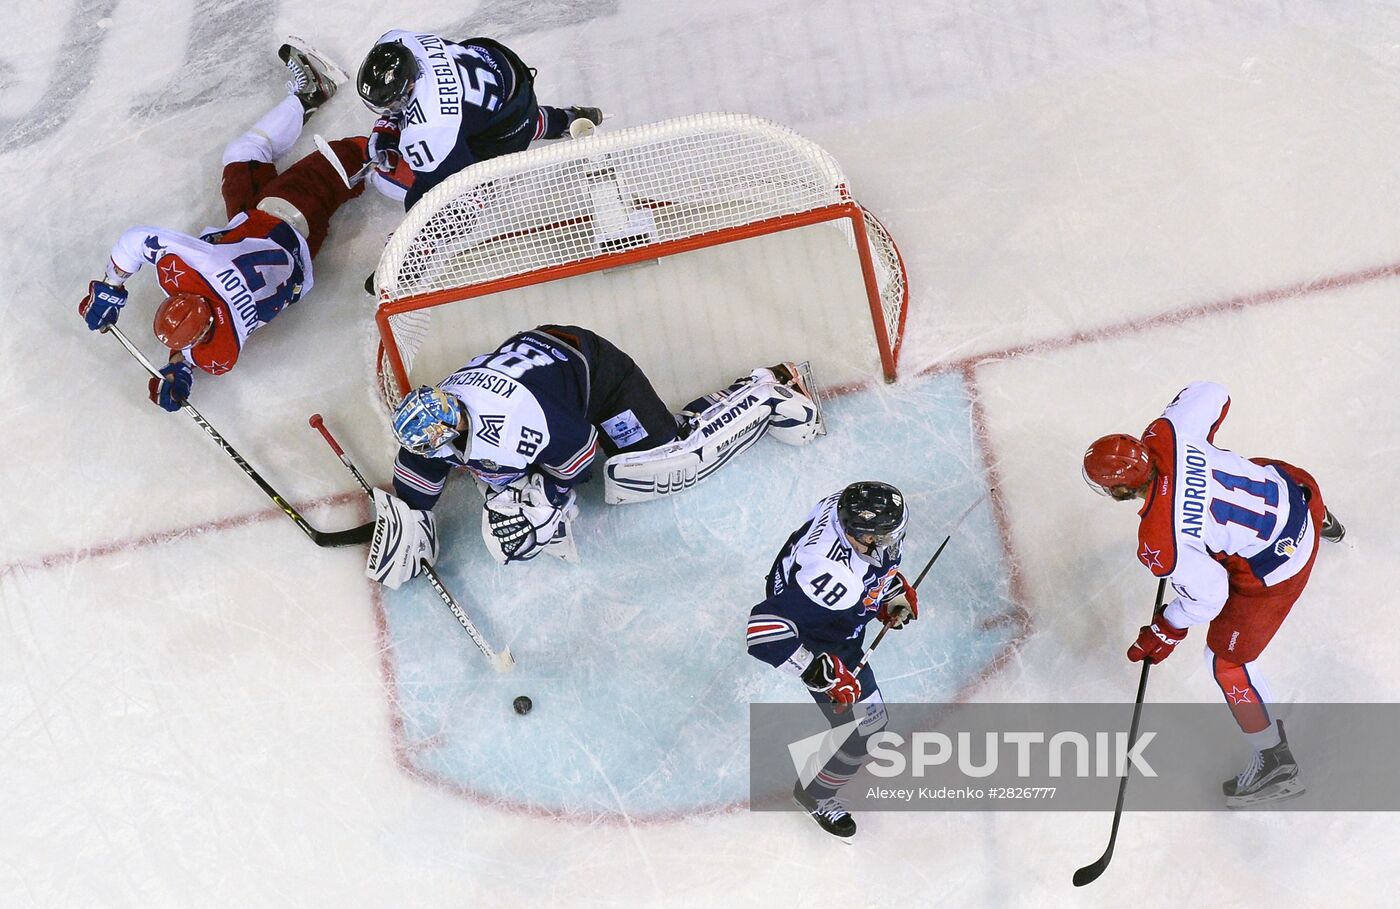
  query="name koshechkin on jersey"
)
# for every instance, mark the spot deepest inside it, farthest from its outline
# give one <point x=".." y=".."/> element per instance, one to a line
<point x="528" y="403"/>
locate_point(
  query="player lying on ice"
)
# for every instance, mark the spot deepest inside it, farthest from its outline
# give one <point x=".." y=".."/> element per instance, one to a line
<point x="228" y="282"/>
<point x="445" y="105"/>
<point x="834" y="573"/>
<point x="1238" y="538"/>
<point x="527" y="420"/>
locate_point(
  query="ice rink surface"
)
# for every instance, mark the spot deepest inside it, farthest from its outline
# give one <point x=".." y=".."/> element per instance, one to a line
<point x="1097" y="202"/>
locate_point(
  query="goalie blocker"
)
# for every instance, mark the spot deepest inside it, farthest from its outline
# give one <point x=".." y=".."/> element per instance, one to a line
<point x="527" y="421"/>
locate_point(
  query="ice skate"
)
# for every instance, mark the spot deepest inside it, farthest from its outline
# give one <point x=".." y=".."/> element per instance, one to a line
<point x="1332" y="530"/>
<point x="798" y="377"/>
<point x="592" y="115"/>
<point x="829" y="813"/>
<point x="1271" y="776"/>
<point x="313" y="77"/>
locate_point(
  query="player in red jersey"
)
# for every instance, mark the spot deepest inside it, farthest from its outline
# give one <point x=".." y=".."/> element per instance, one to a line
<point x="1238" y="538"/>
<point x="228" y="282"/>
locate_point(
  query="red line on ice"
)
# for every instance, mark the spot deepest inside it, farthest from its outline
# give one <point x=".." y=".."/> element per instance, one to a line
<point x="172" y="535"/>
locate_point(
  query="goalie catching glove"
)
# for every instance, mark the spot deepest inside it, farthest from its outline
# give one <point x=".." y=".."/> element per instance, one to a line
<point x="405" y="539"/>
<point x="528" y="517"/>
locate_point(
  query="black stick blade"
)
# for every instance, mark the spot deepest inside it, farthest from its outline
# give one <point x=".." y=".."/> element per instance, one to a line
<point x="352" y="537"/>
<point x="1090" y="873"/>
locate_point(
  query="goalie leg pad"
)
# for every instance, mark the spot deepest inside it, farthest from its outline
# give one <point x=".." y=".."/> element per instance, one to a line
<point x="720" y="433"/>
<point x="732" y="421"/>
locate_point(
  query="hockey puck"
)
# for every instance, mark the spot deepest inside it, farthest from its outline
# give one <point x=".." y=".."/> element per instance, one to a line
<point x="523" y="704"/>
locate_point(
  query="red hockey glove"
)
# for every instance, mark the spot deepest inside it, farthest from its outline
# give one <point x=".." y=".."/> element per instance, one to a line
<point x="1156" y="642"/>
<point x="827" y="674"/>
<point x="901" y="603"/>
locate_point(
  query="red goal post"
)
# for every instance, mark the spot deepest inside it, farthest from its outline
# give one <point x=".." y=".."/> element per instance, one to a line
<point x="572" y="208"/>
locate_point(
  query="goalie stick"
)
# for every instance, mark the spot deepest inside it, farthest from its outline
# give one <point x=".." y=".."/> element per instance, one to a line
<point x="351" y="537"/>
<point x="884" y="629"/>
<point x="1090" y="873"/>
<point x="501" y="661"/>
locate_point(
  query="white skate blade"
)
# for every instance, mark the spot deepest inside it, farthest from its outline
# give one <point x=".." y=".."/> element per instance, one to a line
<point x="1288" y="789"/>
<point x="333" y="72"/>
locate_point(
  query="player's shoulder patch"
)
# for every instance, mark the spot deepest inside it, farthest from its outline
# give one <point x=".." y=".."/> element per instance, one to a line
<point x="1157" y="530"/>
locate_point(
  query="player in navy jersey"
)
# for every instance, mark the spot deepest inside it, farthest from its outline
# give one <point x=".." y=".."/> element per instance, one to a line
<point x="838" y="570"/>
<point x="1238" y="538"/>
<point x="528" y="420"/>
<point x="445" y="105"/>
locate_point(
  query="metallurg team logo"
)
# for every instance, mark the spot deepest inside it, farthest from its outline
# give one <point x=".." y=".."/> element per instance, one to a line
<point x="491" y="426"/>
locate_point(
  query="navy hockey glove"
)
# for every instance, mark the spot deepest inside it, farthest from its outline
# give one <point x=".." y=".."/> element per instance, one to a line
<point x="172" y="391"/>
<point x="828" y="675"/>
<point x="102" y="304"/>
<point x="900" y="605"/>
<point x="384" y="143"/>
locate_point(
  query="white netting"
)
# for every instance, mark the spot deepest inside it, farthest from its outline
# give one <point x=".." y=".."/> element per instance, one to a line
<point x="558" y="209"/>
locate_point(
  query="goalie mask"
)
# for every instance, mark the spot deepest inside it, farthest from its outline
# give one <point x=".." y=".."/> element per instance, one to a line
<point x="426" y="419"/>
<point x="873" y="514"/>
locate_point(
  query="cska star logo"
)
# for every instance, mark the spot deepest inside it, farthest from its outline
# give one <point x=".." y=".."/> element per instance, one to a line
<point x="1238" y="695"/>
<point x="1150" y="557"/>
<point x="170" y="272"/>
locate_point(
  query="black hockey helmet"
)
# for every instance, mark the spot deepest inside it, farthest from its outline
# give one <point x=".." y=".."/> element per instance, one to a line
<point x="386" y="78"/>
<point x="873" y="513"/>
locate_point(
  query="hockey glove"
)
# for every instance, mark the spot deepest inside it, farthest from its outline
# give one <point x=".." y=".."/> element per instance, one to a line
<point x="102" y="304"/>
<point x="1156" y="642"/>
<point x="384" y="140"/>
<point x="405" y="539"/>
<point x="828" y="675"/>
<point x="900" y="605"/>
<point x="528" y="517"/>
<point x="172" y="391"/>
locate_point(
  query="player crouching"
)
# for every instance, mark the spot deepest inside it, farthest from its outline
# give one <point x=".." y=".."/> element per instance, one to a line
<point x="527" y="420"/>
<point x="836" y="572"/>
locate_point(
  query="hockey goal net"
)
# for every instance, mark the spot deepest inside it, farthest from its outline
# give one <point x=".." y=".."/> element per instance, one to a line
<point x="744" y="243"/>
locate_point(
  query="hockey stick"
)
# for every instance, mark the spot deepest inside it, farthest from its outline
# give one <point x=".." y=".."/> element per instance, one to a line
<point x="351" y="537"/>
<point x="501" y="661"/>
<point x="865" y="657"/>
<point x="1090" y="873"/>
<point x="350" y="180"/>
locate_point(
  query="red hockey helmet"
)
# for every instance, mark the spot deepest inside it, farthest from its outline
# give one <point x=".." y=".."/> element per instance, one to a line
<point x="1117" y="462"/>
<point x="183" y="320"/>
